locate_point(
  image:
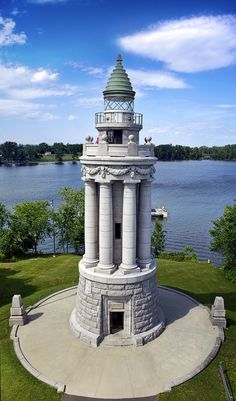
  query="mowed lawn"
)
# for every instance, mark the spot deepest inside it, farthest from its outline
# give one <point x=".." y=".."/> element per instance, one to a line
<point x="35" y="278"/>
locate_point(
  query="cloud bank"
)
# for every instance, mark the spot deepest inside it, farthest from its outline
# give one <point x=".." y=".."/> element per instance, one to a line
<point x="7" y="35"/>
<point x="189" y="44"/>
<point x="155" y="79"/>
<point x="21" y="87"/>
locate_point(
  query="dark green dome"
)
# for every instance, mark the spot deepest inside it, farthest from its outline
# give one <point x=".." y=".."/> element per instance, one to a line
<point x="119" y="83"/>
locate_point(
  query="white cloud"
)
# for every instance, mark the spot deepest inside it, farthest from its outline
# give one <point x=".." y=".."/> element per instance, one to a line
<point x="97" y="71"/>
<point x="159" y="130"/>
<point x="20" y="86"/>
<point x="226" y="106"/>
<point x="188" y="44"/>
<point x="36" y="93"/>
<point x="89" y="101"/>
<point x="155" y="79"/>
<point x="43" y="76"/>
<point x="43" y="116"/>
<point x="7" y="36"/>
<point x="166" y="133"/>
<point x="23" y="82"/>
<point x="72" y="117"/>
<point x="27" y="110"/>
<point x="18" y="75"/>
<point x="16" y="12"/>
<point x="12" y="107"/>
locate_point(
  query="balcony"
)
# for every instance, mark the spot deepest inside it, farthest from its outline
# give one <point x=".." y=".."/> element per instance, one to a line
<point x="118" y="119"/>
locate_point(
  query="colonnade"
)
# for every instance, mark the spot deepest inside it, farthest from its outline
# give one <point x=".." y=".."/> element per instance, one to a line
<point x="99" y="226"/>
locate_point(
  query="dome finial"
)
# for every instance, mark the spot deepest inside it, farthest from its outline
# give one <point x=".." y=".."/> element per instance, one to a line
<point x="119" y="59"/>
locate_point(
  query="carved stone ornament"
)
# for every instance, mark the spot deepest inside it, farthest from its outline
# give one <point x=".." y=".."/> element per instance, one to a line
<point x="103" y="171"/>
<point x="148" y="140"/>
<point x="89" y="139"/>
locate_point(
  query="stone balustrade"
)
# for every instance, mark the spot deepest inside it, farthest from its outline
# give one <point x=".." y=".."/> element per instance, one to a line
<point x="118" y="150"/>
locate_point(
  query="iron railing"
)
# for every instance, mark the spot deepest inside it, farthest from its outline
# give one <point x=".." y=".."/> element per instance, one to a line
<point x="119" y="117"/>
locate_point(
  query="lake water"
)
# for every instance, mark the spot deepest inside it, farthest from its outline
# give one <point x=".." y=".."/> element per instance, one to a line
<point x="194" y="192"/>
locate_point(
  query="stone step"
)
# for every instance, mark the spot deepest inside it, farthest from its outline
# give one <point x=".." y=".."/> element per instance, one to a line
<point x="118" y="339"/>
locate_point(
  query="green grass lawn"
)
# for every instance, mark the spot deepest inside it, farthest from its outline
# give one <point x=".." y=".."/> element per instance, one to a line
<point x="37" y="277"/>
<point x="51" y="158"/>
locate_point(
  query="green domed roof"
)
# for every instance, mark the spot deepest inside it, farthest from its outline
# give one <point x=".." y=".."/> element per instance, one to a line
<point x="119" y="82"/>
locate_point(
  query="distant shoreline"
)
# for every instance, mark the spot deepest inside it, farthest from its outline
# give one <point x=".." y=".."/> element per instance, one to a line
<point x="35" y="163"/>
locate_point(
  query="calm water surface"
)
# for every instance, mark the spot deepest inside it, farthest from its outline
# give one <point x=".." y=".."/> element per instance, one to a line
<point x="194" y="192"/>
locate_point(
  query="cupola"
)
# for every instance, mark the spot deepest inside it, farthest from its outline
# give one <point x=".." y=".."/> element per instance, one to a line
<point x="119" y="94"/>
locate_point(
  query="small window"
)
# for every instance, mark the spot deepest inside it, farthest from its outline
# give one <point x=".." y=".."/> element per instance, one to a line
<point x="117" y="230"/>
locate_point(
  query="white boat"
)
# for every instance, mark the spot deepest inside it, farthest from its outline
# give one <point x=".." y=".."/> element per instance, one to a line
<point x="160" y="212"/>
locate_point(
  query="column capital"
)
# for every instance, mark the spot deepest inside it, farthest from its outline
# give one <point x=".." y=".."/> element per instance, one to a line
<point x="87" y="179"/>
<point x="131" y="181"/>
<point x="148" y="180"/>
<point x="102" y="181"/>
<point x="105" y="183"/>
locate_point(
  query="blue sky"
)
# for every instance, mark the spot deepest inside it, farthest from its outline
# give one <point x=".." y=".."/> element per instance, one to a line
<point x="56" y="56"/>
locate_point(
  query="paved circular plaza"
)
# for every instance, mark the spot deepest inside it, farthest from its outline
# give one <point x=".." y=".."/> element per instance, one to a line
<point x="48" y="350"/>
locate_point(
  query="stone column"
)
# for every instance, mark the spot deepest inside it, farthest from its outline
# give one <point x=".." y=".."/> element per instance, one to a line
<point x="106" y="264"/>
<point x="128" y="264"/>
<point x="144" y="225"/>
<point x="91" y="224"/>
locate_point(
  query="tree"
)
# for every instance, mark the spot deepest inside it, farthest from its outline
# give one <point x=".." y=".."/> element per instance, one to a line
<point x="11" y="244"/>
<point x="189" y="253"/>
<point x="30" y="223"/>
<point x="43" y="147"/>
<point x="70" y="219"/>
<point x="59" y="150"/>
<point x="4" y="216"/>
<point x="31" y="152"/>
<point x="20" y="155"/>
<point x="224" y="236"/>
<point x="9" y="151"/>
<point x="158" y="238"/>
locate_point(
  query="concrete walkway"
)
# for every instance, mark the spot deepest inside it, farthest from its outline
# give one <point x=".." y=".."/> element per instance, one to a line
<point x="47" y="348"/>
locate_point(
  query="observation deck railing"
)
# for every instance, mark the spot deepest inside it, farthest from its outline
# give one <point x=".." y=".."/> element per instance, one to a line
<point x="116" y="117"/>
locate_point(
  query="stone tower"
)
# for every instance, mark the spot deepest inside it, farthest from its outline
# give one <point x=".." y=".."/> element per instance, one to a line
<point x="117" y="298"/>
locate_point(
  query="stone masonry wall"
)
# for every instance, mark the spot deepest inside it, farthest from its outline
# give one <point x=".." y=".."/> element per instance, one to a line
<point x="90" y="310"/>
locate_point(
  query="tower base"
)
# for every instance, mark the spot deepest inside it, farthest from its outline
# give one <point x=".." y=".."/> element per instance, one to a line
<point x="119" y="310"/>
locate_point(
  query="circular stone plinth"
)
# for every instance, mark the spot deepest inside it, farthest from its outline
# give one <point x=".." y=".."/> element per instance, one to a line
<point x="136" y="296"/>
<point x="48" y="349"/>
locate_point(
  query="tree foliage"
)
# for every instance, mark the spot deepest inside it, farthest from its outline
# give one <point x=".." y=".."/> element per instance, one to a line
<point x="189" y="253"/>
<point x="4" y="216"/>
<point x="28" y="225"/>
<point x="224" y="236"/>
<point x="170" y="152"/>
<point x="31" y="222"/>
<point x="158" y="238"/>
<point x="70" y="219"/>
<point x="11" y="152"/>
